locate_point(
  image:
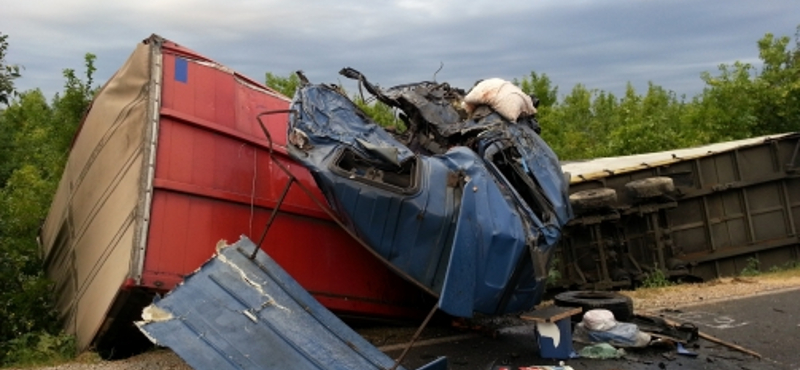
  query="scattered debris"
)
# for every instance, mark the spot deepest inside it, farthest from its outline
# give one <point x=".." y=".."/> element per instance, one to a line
<point x="599" y="326"/>
<point x="657" y="327"/>
<point x="683" y="351"/>
<point x="714" y="339"/>
<point x="553" y="330"/>
<point x="601" y="351"/>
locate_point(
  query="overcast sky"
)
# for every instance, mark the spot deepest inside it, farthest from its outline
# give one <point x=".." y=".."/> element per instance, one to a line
<point x="601" y="44"/>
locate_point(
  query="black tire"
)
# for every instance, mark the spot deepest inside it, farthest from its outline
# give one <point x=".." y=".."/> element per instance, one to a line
<point x="650" y="187"/>
<point x="593" y="198"/>
<point x="621" y="306"/>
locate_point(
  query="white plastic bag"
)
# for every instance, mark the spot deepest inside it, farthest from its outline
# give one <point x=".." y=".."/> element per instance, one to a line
<point x="621" y="335"/>
<point x="599" y="326"/>
<point x="504" y="97"/>
<point x="599" y="320"/>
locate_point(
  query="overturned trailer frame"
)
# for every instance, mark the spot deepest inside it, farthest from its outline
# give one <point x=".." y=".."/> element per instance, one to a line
<point x="711" y="212"/>
<point x="169" y="159"/>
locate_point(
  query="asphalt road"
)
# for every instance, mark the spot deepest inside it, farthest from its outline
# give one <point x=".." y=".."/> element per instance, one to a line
<point x="768" y="324"/>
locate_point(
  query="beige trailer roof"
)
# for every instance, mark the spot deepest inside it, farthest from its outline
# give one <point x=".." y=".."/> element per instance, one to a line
<point x="603" y="167"/>
<point x="88" y="237"/>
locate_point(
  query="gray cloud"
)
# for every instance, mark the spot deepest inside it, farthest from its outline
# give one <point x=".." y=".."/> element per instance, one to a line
<point x="602" y="44"/>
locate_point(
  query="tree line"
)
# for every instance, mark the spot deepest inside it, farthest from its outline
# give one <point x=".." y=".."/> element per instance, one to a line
<point x="739" y="100"/>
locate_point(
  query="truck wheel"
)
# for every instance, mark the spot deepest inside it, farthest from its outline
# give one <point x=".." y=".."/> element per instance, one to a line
<point x="593" y="198"/>
<point x="621" y="306"/>
<point x="650" y="187"/>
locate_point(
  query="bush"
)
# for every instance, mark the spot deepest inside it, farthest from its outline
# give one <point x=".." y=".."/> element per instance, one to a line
<point x="752" y="268"/>
<point x="36" y="348"/>
<point x="36" y="136"/>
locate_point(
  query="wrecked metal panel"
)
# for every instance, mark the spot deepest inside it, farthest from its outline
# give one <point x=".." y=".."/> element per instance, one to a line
<point x="237" y="313"/>
<point x="87" y="239"/>
<point x="472" y="215"/>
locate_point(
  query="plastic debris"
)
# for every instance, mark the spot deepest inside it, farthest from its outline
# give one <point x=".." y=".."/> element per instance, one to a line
<point x="683" y="351"/>
<point x="599" y="320"/>
<point x="601" y="351"/>
<point x="618" y="334"/>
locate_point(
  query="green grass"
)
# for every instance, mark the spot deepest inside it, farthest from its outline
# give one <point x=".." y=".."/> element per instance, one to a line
<point x="753" y="267"/>
<point x="656" y="279"/>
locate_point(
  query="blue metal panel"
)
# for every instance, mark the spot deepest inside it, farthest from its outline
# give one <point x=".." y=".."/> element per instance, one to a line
<point x="181" y="70"/>
<point x="237" y="313"/>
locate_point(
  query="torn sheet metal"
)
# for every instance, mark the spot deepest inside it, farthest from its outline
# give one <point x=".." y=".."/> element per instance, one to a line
<point x="470" y="206"/>
<point x="237" y="313"/>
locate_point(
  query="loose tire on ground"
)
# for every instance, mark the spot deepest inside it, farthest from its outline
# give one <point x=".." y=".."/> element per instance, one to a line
<point x="650" y="187"/>
<point x="593" y="198"/>
<point x="621" y="306"/>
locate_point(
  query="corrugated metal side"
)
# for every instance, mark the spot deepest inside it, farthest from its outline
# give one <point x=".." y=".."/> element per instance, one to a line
<point x="603" y="167"/>
<point x="237" y="313"/>
<point x="733" y="207"/>
<point x="88" y="234"/>
<point x="215" y="180"/>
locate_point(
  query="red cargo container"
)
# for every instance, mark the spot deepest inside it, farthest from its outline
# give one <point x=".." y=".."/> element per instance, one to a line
<point x="169" y="160"/>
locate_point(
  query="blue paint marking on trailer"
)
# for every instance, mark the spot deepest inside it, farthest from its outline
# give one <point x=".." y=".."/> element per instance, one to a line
<point x="181" y="70"/>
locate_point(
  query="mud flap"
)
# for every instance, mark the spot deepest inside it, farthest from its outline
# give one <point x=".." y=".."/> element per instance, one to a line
<point x="238" y="313"/>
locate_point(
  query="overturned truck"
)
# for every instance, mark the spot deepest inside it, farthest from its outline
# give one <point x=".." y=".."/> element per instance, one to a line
<point x="170" y="159"/>
<point x="690" y="214"/>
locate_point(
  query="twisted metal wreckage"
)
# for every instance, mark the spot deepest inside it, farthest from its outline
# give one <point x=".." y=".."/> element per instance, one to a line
<point x="471" y="215"/>
<point x="470" y="207"/>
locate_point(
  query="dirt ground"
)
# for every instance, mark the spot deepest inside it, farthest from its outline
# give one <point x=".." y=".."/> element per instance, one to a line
<point x="645" y="300"/>
<point x="718" y="290"/>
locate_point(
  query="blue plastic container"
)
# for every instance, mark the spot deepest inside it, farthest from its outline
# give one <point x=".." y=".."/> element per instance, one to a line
<point x="555" y="347"/>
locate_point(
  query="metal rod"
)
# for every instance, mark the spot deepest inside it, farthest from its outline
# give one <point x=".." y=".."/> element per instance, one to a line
<point x="601" y="248"/>
<point x="794" y="156"/>
<point x="273" y="215"/>
<point x="659" y="241"/>
<point x="415" y="337"/>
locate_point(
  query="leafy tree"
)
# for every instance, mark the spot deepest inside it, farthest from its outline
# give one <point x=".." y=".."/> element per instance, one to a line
<point x="542" y="87"/>
<point x="727" y="109"/>
<point x="648" y="123"/>
<point x="777" y="89"/>
<point x="739" y="101"/>
<point x="381" y="113"/>
<point x="7" y="75"/>
<point x="38" y="135"/>
<point x="285" y="85"/>
<point x="8" y="72"/>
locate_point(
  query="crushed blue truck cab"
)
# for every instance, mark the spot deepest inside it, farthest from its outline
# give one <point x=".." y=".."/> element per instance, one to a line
<point x="470" y="206"/>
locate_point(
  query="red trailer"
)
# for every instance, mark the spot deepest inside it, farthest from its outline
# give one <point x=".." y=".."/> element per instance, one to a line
<point x="169" y="160"/>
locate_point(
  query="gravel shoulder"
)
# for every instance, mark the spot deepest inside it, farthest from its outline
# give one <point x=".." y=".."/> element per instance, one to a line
<point x="645" y="300"/>
<point x="686" y="295"/>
